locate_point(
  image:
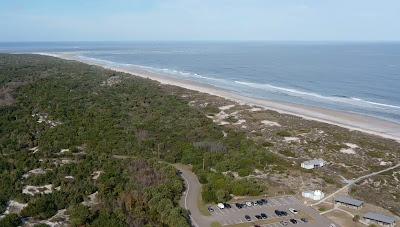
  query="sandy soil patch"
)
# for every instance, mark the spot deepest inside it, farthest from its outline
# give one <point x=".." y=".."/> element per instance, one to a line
<point x="352" y="145"/>
<point x="14" y="207"/>
<point x="44" y="118"/>
<point x="291" y="139"/>
<point x="96" y="174"/>
<point x="255" y="109"/>
<point x="91" y="200"/>
<point x="111" y="81"/>
<point x="34" y="149"/>
<point x="37" y="171"/>
<point x="33" y="190"/>
<point x="227" y="107"/>
<point x="351" y="148"/>
<point x="270" y="123"/>
<point x="239" y="122"/>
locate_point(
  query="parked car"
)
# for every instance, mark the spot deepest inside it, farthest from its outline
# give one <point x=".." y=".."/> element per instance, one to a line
<point x="285" y="223"/>
<point x="264" y="216"/>
<point x="264" y="201"/>
<point x="259" y="202"/>
<point x="304" y="220"/>
<point x="210" y="209"/>
<point x="227" y="205"/>
<point x="294" y="221"/>
<point x="239" y="205"/>
<point x="249" y="204"/>
<point x="281" y="213"/>
<point x="220" y="205"/>
<point x="258" y="217"/>
<point x="294" y="211"/>
<point x="247" y="217"/>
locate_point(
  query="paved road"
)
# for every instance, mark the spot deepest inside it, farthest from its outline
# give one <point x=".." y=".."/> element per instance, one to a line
<point x="351" y="182"/>
<point x="191" y="196"/>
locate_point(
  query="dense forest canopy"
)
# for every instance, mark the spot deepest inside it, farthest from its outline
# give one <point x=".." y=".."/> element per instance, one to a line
<point x="73" y="121"/>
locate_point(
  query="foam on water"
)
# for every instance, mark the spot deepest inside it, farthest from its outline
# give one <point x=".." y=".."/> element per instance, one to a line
<point x="304" y="94"/>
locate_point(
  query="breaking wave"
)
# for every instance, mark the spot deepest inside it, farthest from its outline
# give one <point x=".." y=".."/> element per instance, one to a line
<point x="312" y="95"/>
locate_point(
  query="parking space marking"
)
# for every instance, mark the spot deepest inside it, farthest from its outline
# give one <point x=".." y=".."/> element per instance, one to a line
<point x="282" y="201"/>
<point x="220" y="212"/>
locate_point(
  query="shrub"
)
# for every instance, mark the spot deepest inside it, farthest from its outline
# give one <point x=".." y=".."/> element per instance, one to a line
<point x="10" y="220"/>
<point x="284" y="133"/>
<point x="41" y="208"/>
<point x="79" y="215"/>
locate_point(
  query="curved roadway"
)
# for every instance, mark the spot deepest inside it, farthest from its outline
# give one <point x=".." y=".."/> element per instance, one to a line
<point x="191" y="196"/>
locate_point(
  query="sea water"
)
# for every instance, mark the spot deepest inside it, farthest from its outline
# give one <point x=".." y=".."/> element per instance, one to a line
<point x="362" y="78"/>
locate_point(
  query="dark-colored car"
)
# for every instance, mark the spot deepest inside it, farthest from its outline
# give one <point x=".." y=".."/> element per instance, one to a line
<point x="258" y="217"/>
<point x="264" y="201"/>
<point x="239" y="205"/>
<point x="259" y="202"/>
<point x="227" y="205"/>
<point x="281" y="213"/>
<point x="304" y="220"/>
<point x="210" y="209"/>
<point x="264" y="216"/>
<point x="247" y="217"/>
<point x="294" y="221"/>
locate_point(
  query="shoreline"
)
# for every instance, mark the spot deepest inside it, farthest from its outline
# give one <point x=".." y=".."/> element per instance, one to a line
<point x="351" y="121"/>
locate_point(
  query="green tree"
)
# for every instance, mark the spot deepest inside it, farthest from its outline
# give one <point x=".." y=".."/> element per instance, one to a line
<point x="10" y="220"/>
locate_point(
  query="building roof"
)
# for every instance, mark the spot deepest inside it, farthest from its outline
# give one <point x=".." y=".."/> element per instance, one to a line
<point x="380" y="217"/>
<point x="349" y="200"/>
<point x="314" y="162"/>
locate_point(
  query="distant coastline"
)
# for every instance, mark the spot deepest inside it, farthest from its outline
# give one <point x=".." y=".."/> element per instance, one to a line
<point x="350" y="121"/>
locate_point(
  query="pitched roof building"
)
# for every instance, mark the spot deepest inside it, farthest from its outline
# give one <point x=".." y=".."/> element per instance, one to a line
<point x="380" y="219"/>
<point x="348" y="202"/>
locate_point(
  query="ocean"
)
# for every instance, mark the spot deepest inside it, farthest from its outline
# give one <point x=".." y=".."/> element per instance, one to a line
<point x="362" y="78"/>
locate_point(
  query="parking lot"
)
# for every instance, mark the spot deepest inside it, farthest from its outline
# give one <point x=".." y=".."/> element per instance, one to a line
<point x="234" y="215"/>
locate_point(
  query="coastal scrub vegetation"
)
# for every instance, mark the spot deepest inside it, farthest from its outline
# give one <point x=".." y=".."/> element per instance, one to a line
<point x="97" y="144"/>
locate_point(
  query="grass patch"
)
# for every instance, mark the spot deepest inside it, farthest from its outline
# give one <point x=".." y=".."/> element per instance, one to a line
<point x="215" y="224"/>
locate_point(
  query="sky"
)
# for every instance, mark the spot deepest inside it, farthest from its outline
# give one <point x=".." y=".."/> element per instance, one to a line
<point x="174" y="20"/>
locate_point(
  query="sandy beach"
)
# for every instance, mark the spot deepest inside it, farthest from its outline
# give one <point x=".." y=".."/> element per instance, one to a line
<point x="351" y="121"/>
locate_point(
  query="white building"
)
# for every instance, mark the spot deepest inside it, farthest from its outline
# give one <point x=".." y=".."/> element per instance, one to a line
<point x="314" y="195"/>
<point x="311" y="164"/>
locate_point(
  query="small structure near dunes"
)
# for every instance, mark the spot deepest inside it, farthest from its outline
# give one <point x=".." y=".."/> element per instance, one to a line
<point x="314" y="195"/>
<point x="348" y="202"/>
<point x="379" y="219"/>
<point x="312" y="164"/>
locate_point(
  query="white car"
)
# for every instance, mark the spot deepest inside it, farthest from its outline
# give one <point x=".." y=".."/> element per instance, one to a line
<point x="220" y="205"/>
<point x="294" y="211"/>
<point x="248" y="204"/>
